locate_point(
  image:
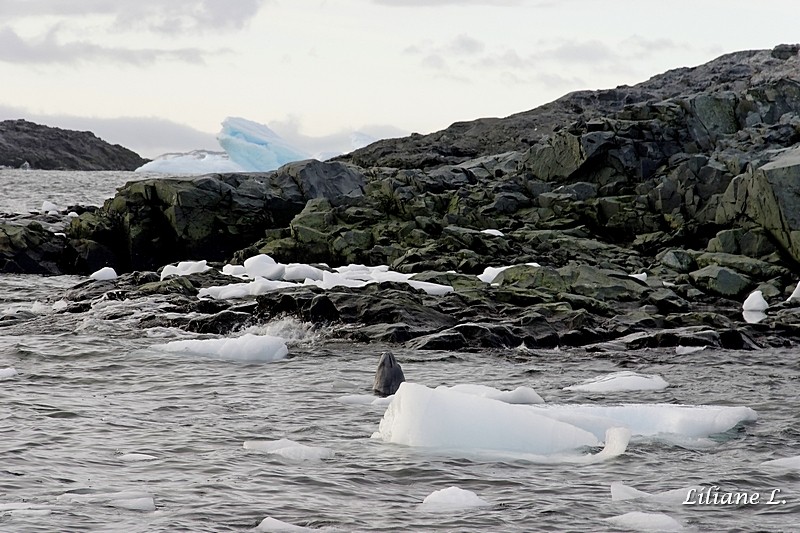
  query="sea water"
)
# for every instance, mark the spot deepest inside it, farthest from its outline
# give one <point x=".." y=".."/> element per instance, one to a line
<point x="100" y="430"/>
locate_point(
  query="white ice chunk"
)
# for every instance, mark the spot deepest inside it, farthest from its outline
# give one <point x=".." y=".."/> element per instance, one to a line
<point x="365" y="399"/>
<point x="443" y="418"/>
<point x="621" y="381"/>
<point x="255" y="147"/>
<point x="490" y="273"/>
<point x="242" y="290"/>
<point x="300" y="272"/>
<point x="130" y="500"/>
<point x="520" y="395"/>
<point x="639" y="521"/>
<point x="184" y="268"/>
<point x="434" y="289"/>
<point x="136" y="457"/>
<point x="264" y="266"/>
<point x="104" y="274"/>
<point x="234" y="270"/>
<point x="274" y="525"/>
<point x="24" y="509"/>
<point x="685" y="350"/>
<point x="649" y="420"/>
<point x="755" y="302"/>
<point x="9" y="372"/>
<point x="795" y="294"/>
<point x="641" y="276"/>
<point x="332" y="279"/>
<point x="289" y="449"/>
<point x="621" y="492"/>
<point x="72" y="214"/>
<point x="451" y="499"/>
<point x="495" y="232"/>
<point x="49" y="208"/>
<point x="248" y="348"/>
<point x="194" y="162"/>
<point x="786" y="463"/>
<point x="753" y="317"/>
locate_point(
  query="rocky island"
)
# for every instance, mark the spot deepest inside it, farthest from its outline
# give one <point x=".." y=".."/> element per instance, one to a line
<point x="621" y="218"/>
<point x="24" y="143"/>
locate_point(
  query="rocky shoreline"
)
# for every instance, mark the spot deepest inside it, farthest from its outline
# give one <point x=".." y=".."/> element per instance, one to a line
<point x="633" y="217"/>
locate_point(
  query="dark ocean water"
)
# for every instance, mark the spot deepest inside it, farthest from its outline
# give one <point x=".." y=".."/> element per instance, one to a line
<point x="90" y="389"/>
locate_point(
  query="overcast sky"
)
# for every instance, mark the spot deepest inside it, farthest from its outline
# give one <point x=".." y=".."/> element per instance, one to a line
<point x="160" y="75"/>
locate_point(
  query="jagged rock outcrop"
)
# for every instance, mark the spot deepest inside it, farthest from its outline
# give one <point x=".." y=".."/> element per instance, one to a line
<point x="641" y="215"/>
<point x="152" y="222"/>
<point x="43" y="147"/>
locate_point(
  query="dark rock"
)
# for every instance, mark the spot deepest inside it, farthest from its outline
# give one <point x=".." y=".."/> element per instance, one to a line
<point x="30" y="249"/>
<point x="46" y="148"/>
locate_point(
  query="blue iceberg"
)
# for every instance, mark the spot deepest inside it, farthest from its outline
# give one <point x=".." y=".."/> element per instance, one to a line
<point x="255" y="147"/>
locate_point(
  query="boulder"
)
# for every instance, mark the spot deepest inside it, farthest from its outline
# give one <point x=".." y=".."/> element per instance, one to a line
<point x="30" y="249"/>
<point x="721" y="281"/>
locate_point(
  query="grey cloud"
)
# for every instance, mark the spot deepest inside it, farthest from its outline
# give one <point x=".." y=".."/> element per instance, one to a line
<point x="465" y="45"/>
<point x="583" y="52"/>
<point x="171" y="16"/>
<point x="643" y="45"/>
<point x="48" y="50"/>
<point x="434" y="61"/>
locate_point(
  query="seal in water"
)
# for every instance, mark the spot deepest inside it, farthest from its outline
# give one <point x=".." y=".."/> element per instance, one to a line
<point x="389" y="375"/>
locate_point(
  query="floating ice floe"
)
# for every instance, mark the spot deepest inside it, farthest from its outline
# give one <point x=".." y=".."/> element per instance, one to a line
<point x="639" y="521"/>
<point x="24" y="509"/>
<point x="184" y="268"/>
<point x="104" y="274"/>
<point x="786" y="463"/>
<point x="130" y="500"/>
<point x="365" y="399"/>
<point x="452" y="499"/>
<point x="620" y="382"/>
<point x="685" y="350"/>
<point x="755" y="302"/>
<point x="289" y="449"/>
<point x="274" y="525"/>
<point x="248" y="348"/>
<point x="446" y="419"/>
<point x="621" y="492"/>
<point x="520" y="395"/>
<point x="490" y="273"/>
<point x="9" y="372"/>
<point x="494" y="232"/>
<point x="136" y="457"/>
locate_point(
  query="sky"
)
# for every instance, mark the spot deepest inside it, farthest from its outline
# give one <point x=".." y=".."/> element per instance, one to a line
<point x="161" y="75"/>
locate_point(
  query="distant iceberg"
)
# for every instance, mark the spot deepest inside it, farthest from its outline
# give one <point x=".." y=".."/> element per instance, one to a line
<point x="194" y="162"/>
<point x="249" y="147"/>
<point x="255" y="147"/>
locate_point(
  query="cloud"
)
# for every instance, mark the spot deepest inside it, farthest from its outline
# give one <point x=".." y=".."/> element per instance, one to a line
<point x="465" y="45"/>
<point x="48" y="50"/>
<point x="173" y="16"/>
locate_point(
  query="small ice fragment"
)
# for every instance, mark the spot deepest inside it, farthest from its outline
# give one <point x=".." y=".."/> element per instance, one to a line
<point x="684" y="350"/>
<point x="753" y="317"/>
<point x="490" y="273"/>
<point x="787" y="463"/>
<point x="755" y="302"/>
<point x="452" y="499"/>
<point x="264" y="266"/>
<point x="104" y="274"/>
<point x="520" y="395"/>
<point x="639" y="521"/>
<point x="622" y="492"/>
<point x="301" y="272"/>
<point x="289" y="449"/>
<point x="495" y="232"/>
<point x="49" y="207"/>
<point x="273" y="524"/>
<point x="621" y="381"/>
<point x="184" y="268"/>
<point x="136" y="457"/>
<point x="642" y="276"/>
<point x="9" y="372"/>
<point x="248" y="348"/>
<point x="72" y="214"/>
<point x="234" y="270"/>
